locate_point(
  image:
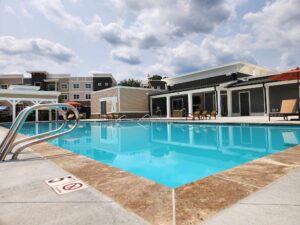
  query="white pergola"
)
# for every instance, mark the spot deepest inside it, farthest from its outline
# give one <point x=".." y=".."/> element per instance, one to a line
<point x="17" y="94"/>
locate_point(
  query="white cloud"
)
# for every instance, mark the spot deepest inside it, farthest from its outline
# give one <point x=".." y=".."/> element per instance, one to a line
<point x="8" y="9"/>
<point x="126" y="55"/>
<point x="32" y="53"/>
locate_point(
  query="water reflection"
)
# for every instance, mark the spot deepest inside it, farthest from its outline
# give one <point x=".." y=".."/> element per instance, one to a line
<point x="172" y="153"/>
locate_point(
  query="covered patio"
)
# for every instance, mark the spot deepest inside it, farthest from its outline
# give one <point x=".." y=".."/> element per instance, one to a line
<point x="17" y="97"/>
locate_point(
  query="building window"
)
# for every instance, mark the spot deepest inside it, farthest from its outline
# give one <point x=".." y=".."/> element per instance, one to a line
<point x="76" y="96"/>
<point x="37" y="84"/>
<point x="88" y="86"/>
<point x="3" y="86"/>
<point x="88" y="96"/>
<point x="99" y="84"/>
<point x="51" y="87"/>
<point x="106" y="84"/>
<point x="158" y="87"/>
<point x="75" y="86"/>
<point x="64" y="86"/>
<point x="64" y="97"/>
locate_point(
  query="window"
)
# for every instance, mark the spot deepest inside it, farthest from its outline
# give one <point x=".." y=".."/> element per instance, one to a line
<point x="51" y="87"/>
<point x="37" y="84"/>
<point x="88" y="86"/>
<point x="3" y="86"/>
<point x="106" y="84"/>
<point x="64" y="86"/>
<point x="99" y="84"/>
<point x="76" y="96"/>
<point x="88" y="96"/>
<point x="75" y="86"/>
<point x="64" y="97"/>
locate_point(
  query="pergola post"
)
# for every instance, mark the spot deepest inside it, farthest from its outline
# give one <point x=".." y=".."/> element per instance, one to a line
<point x="190" y="104"/>
<point x="229" y="103"/>
<point x="168" y="102"/>
<point x="219" y="103"/>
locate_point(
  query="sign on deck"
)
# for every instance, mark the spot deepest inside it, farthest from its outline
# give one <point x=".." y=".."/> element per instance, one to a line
<point x="66" y="184"/>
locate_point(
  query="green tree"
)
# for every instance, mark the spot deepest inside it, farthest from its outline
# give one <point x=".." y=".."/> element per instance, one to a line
<point x="156" y="77"/>
<point x="130" y="83"/>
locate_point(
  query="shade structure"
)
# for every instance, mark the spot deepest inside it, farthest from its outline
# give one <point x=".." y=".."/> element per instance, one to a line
<point x="293" y="74"/>
<point x="73" y="103"/>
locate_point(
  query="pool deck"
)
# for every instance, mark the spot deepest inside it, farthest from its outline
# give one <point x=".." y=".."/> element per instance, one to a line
<point x="242" y="190"/>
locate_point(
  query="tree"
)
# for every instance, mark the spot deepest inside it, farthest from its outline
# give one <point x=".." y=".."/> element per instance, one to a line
<point x="131" y="83"/>
<point x="156" y="77"/>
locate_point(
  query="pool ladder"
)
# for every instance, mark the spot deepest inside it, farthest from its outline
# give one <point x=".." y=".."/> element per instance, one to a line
<point x="9" y="144"/>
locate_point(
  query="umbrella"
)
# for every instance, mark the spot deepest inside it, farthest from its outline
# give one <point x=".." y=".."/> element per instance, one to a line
<point x="73" y="103"/>
<point x="293" y="74"/>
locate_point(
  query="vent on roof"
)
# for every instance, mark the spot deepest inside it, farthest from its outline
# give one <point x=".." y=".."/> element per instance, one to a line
<point x="243" y="78"/>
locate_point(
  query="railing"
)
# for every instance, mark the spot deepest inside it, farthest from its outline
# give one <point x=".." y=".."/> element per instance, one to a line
<point x="158" y="111"/>
<point x="121" y="117"/>
<point x="146" y="115"/>
<point x="8" y="144"/>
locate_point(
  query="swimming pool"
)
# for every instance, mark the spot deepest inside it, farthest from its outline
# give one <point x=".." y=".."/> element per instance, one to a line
<point x="172" y="154"/>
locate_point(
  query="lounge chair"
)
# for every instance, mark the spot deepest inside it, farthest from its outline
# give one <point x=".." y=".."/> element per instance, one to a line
<point x="71" y="116"/>
<point x="288" y="108"/>
<point x="204" y="115"/>
<point x="213" y="114"/>
<point x="197" y="114"/>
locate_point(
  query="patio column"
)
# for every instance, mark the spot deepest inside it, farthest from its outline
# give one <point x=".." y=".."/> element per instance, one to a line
<point x="168" y="102"/>
<point x="229" y="103"/>
<point x="13" y="104"/>
<point x="50" y="115"/>
<point x="219" y="102"/>
<point x="36" y="115"/>
<point x="190" y="104"/>
<point x="267" y="101"/>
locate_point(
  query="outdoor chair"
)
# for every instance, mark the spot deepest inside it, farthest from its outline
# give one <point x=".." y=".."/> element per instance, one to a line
<point x="197" y="114"/>
<point x="213" y="114"/>
<point x="204" y="115"/>
<point x="288" y="108"/>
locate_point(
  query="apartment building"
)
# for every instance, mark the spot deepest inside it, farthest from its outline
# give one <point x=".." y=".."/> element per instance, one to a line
<point x="72" y="88"/>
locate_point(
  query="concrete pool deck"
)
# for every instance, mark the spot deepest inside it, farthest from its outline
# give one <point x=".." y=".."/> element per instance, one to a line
<point x="157" y="204"/>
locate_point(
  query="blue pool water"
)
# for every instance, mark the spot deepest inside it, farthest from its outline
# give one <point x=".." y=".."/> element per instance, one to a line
<point x="172" y="154"/>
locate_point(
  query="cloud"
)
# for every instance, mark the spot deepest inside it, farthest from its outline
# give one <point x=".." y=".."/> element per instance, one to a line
<point x="33" y="52"/>
<point x="126" y="55"/>
<point x="8" y="9"/>
<point x="212" y="51"/>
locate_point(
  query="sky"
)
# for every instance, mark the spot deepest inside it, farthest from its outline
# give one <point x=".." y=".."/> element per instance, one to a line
<point x="134" y="38"/>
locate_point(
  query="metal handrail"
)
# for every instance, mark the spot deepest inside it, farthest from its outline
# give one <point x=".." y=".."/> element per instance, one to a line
<point x="9" y="140"/>
<point x="144" y="117"/>
<point x="43" y="134"/>
<point x="121" y="117"/>
<point x="159" y="113"/>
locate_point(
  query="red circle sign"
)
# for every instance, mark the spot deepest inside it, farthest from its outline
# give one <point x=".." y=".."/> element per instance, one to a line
<point x="72" y="186"/>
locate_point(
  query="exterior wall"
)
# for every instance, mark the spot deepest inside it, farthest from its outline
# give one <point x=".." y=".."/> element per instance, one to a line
<point x="96" y="96"/>
<point x="281" y="92"/>
<point x="134" y="100"/>
<point x="30" y="97"/>
<point x="102" y="80"/>
<point x="10" y="81"/>
<point x="256" y="100"/>
<point x="82" y="91"/>
<point x="39" y="78"/>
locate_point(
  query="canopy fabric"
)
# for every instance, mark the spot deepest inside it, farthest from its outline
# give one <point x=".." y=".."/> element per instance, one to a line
<point x="73" y="103"/>
<point x="288" y="75"/>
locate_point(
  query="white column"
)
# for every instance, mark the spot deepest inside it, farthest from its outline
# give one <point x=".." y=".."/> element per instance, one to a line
<point x="50" y="115"/>
<point x="268" y="100"/>
<point x="168" y="102"/>
<point x="36" y="115"/>
<point x="229" y="103"/>
<point x="151" y="111"/>
<point x="219" y="102"/>
<point x="190" y="104"/>
<point x="13" y="104"/>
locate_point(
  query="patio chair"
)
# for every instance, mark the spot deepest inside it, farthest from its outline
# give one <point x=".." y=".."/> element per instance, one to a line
<point x="197" y="114"/>
<point x="213" y="114"/>
<point x="288" y="108"/>
<point x="71" y="116"/>
<point x="204" y="115"/>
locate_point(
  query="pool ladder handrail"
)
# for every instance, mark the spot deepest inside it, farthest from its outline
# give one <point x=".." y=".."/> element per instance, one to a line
<point x="143" y="117"/>
<point x="8" y="143"/>
<point x="121" y="117"/>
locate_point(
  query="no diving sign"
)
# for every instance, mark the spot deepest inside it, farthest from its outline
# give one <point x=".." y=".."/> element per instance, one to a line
<point x="66" y="184"/>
